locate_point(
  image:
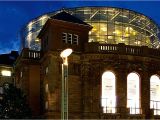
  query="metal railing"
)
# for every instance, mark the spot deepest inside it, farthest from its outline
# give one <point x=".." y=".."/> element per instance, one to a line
<point x="109" y="109"/>
<point x="134" y="106"/>
<point x="155" y="105"/>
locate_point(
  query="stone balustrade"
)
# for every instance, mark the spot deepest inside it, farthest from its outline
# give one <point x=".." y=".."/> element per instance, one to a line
<point x="123" y="49"/>
<point x="30" y="54"/>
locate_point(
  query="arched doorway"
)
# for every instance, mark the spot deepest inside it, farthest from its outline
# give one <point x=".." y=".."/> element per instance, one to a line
<point x="133" y="93"/>
<point x="108" y="100"/>
<point x="155" y="94"/>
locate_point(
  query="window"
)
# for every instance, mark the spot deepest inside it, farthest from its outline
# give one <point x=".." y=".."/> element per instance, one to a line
<point x="108" y="101"/>
<point x="155" y="94"/>
<point x="133" y="101"/>
<point x="21" y="74"/>
<point x="75" y="39"/>
<point x="6" y="73"/>
<point x="46" y="88"/>
<point x="46" y="105"/>
<point x="46" y="71"/>
<point x="70" y="38"/>
<point x="64" y="37"/>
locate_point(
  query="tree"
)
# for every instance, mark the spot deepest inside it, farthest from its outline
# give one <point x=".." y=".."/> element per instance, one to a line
<point x="13" y="103"/>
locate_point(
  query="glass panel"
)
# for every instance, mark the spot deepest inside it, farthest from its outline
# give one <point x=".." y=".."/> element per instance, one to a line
<point x="95" y="16"/>
<point x="111" y="29"/>
<point x="125" y="16"/>
<point x="141" y="25"/>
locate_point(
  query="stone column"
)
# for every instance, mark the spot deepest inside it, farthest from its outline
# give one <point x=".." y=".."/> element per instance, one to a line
<point x="145" y="94"/>
<point x="85" y="88"/>
<point x="121" y="92"/>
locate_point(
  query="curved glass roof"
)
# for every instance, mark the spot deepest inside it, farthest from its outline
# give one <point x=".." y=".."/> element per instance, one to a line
<point x="110" y="25"/>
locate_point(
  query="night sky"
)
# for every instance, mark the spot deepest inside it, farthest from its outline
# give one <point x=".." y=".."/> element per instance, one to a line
<point x="15" y="14"/>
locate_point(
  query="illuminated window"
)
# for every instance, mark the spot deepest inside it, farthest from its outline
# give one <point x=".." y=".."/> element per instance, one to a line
<point x="6" y="73"/>
<point x="46" y="88"/>
<point x="46" y="71"/>
<point x="108" y="100"/>
<point x="46" y="105"/>
<point x="133" y="101"/>
<point x="155" y="94"/>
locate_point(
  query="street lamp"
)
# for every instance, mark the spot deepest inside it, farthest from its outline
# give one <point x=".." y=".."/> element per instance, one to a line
<point x="64" y="98"/>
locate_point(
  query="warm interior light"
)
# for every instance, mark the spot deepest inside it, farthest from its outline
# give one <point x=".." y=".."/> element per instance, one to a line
<point x="127" y="35"/>
<point x="138" y="42"/>
<point x="155" y="94"/>
<point x="134" y="33"/>
<point x="104" y="28"/>
<point x="6" y="73"/>
<point x="37" y="40"/>
<point x="108" y="100"/>
<point x="129" y="28"/>
<point x="121" y="39"/>
<point x="133" y="101"/>
<point x="65" y="53"/>
<point x="117" y="32"/>
<point x="110" y="37"/>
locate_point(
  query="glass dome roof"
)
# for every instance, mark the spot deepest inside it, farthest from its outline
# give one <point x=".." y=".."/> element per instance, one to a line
<point x="110" y="25"/>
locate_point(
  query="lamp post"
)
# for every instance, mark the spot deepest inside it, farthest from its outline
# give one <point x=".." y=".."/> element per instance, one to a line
<point x="64" y="98"/>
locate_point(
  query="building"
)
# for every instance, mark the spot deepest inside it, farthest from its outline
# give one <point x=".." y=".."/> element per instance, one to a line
<point x="6" y="67"/>
<point x="113" y="71"/>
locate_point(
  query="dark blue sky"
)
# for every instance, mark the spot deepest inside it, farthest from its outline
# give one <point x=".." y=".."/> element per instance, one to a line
<point x="15" y="14"/>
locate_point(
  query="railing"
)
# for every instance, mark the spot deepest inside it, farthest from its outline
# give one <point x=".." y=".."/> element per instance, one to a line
<point x="134" y="106"/>
<point x="30" y="54"/>
<point x="122" y="49"/>
<point x="155" y="105"/>
<point x="108" y="105"/>
<point x="107" y="109"/>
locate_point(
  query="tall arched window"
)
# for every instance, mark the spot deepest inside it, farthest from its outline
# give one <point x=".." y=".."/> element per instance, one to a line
<point x="108" y="101"/>
<point x="133" y="101"/>
<point x="155" y="94"/>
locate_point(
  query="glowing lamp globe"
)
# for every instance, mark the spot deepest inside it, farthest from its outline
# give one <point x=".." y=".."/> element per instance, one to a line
<point x="66" y="52"/>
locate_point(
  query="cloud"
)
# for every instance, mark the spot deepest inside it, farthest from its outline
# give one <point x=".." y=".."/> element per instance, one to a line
<point x="9" y="45"/>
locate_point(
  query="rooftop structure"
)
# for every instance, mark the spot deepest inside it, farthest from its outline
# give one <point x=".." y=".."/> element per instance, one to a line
<point x="110" y="25"/>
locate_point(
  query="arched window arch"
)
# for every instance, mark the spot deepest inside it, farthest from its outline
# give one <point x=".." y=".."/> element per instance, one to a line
<point x="108" y="101"/>
<point x="155" y="94"/>
<point x="133" y="92"/>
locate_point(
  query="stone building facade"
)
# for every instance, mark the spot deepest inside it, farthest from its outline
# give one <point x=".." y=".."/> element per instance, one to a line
<point x="89" y="66"/>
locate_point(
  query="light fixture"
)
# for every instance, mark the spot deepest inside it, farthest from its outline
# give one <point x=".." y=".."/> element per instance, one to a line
<point x="64" y="98"/>
<point x="65" y="53"/>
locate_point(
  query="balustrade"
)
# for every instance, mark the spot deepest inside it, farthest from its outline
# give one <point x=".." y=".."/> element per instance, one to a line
<point x="31" y="54"/>
<point x="122" y="49"/>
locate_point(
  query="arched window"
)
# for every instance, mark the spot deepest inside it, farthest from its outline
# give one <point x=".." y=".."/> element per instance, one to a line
<point x="155" y="94"/>
<point x="133" y="101"/>
<point x="108" y="101"/>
